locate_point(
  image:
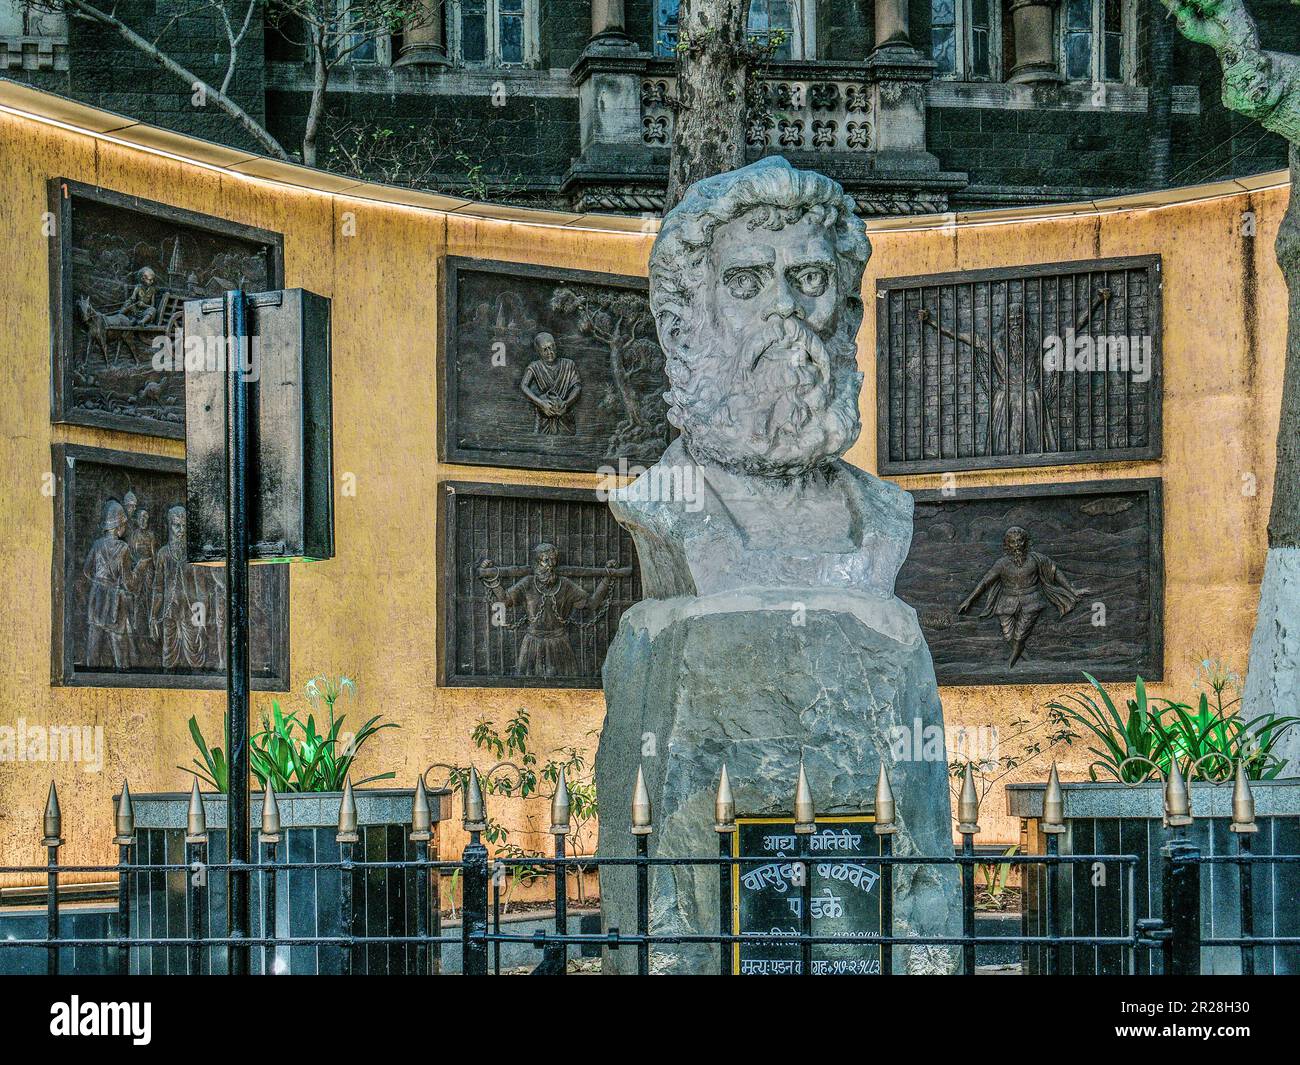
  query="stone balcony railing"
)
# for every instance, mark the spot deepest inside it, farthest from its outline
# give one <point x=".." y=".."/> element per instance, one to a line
<point x="799" y="114"/>
<point x="33" y="53"/>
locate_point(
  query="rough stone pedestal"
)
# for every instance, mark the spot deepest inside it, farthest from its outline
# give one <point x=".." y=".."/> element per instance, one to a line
<point x="759" y="678"/>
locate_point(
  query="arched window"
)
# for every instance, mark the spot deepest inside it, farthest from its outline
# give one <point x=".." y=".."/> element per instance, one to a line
<point x="788" y="24"/>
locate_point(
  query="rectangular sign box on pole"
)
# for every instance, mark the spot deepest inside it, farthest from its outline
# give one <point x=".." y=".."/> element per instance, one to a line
<point x="290" y="475"/>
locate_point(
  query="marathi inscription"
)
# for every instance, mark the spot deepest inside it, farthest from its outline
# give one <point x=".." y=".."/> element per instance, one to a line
<point x="844" y="899"/>
<point x="1041" y="365"/>
<point x="1034" y="583"/>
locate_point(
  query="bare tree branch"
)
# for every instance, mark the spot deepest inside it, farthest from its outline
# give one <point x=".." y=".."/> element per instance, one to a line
<point x="1259" y="84"/>
<point x="88" y="11"/>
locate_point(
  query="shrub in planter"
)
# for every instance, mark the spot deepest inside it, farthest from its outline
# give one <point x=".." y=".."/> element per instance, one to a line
<point x="307" y="767"/>
<point x="1124" y="815"/>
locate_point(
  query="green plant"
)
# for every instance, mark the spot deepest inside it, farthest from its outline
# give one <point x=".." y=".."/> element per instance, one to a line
<point x="993" y="895"/>
<point x="517" y="774"/>
<point x="1206" y="740"/>
<point x="290" y="753"/>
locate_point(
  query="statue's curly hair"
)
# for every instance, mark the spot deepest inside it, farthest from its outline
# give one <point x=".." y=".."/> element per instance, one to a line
<point x="769" y="194"/>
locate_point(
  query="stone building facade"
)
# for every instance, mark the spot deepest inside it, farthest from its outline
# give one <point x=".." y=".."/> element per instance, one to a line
<point x="914" y="105"/>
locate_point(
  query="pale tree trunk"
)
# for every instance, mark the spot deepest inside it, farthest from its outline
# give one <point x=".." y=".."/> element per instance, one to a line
<point x="319" y="83"/>
<point x="1266" y="86"/>
<point x="1273" y="676"/>
<point x="713" y="76"/>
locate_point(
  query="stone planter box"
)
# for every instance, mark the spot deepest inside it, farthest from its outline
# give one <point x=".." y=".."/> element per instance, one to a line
<point x="306" y="899"/>
<point x="1110" y="818"/>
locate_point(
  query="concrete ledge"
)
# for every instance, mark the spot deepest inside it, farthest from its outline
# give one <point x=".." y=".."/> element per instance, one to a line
<point x="375" y="806"/>
<point x="1110" y="799"/>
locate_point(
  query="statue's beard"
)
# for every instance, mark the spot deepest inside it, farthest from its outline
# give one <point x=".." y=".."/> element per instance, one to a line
<point x="783" y="401"/>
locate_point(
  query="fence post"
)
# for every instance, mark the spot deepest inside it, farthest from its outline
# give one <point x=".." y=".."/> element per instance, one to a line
<point x="1181" y="879"/>
<point x="124" y="840"/>
<point x="724" y="824"/>
<point x="421" y="835"/>
<point x="1052" y="826"/>
<point x="558" y="954"/>
<point x="474" y="904"/>
<point x="641" y="828"/>
<point x="1244" y="827"/>
<point x="805" y="824"/>
<point x="196" y="853"/>
<point x="52" y="825"/>
<point x="269" y="836"/>
<point x="347" y="837"/>
<point x="968" y="812"/>
<point x="884" y="828"/>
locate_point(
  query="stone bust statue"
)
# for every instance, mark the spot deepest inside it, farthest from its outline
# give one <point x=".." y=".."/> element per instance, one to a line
<point x="770" y="637"/>
<point x="755" y="285"/>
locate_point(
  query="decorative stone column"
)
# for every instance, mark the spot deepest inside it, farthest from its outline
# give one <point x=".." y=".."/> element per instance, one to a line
<point x="426" y="44"/>
<point x="608" y="27"/>
<point x="612" y="170"/>
<point x="898" y="74"/>
<point x="892" y="25"/>
<point x="1034" y="25"/>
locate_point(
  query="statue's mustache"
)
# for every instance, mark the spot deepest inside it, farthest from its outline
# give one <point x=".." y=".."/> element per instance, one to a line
<point x="791" y="334"/>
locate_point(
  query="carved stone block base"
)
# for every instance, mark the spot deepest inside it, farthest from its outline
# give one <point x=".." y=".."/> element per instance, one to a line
<point x="840" y="679"/>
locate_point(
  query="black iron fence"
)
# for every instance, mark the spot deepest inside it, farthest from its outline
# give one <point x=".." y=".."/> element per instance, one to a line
<point x="1174" y="936"/>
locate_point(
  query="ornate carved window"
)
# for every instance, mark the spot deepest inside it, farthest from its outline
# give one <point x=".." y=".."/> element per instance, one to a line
<point x="965" y="38"/>
<point x="788" y="25"/>
<point x="1098" y="40"/>
<point x="493" y="33"/>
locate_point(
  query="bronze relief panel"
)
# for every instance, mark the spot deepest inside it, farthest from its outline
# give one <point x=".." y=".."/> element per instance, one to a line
<point x="120" y="269"/>
<point x="1031" y="366"/>
<point x="129" y="610"/>
<point x="1036" y="583"/>
<point x="544" y="368"/>
<point x="534" y="582"/>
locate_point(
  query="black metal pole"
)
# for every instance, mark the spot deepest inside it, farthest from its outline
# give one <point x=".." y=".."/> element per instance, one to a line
<point x="1181" y="875"/>
<point x="237" y="685"/>
<point x="725" y="950"/>
<point x="561" y="905"/>
<point x="1053" y="906"/>
<point x="123" y="909"/>
<point x="1246" y="879"/>
<point x="421" y="951"/>
<point x="473" y="909"/>
<point x="52" y="911"/>
<point x="435" y="899"/>
<point x="195" y="854"/>
<point x="643" y="904"/>
<point x="268" y="910"/>
<point x="887" y="906"/>
<point x="805" y="906"/>
<point x="345" y="906"/>
<point x="968" y="904"/>
<point x="498" y="875"/>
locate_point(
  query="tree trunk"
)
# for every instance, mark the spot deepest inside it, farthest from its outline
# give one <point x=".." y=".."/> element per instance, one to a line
<point x="1284" y="518"/>
<point x="713" y="77"/>
<point x="316" y="112"/>
<point x="1273" y="676"/>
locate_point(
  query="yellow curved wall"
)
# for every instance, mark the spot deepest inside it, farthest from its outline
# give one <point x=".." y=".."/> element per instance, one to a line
<point x="370" y="612"/>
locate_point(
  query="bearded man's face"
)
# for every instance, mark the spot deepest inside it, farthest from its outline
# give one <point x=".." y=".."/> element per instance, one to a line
<point x="784" y="392"/>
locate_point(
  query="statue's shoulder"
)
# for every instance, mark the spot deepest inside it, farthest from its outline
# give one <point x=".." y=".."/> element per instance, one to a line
<point x="878" y="499"/>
